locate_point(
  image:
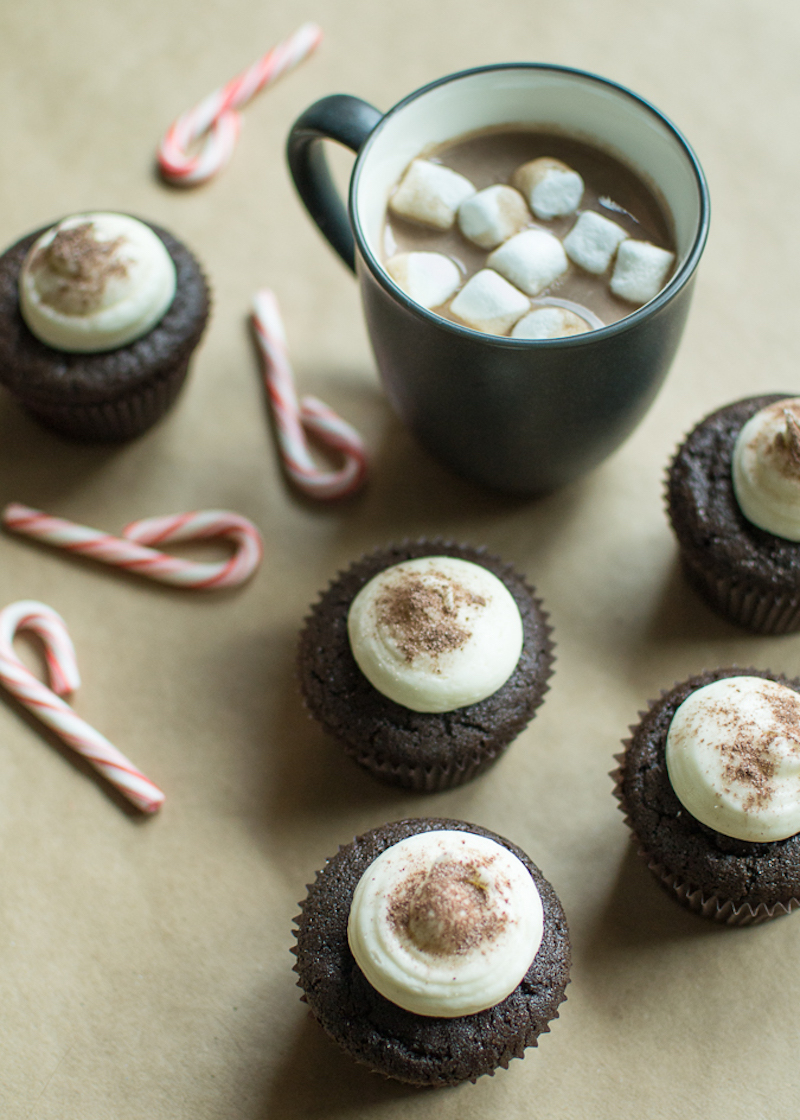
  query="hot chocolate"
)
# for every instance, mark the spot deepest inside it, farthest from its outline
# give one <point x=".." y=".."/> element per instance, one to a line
<point x="489" y="158"/>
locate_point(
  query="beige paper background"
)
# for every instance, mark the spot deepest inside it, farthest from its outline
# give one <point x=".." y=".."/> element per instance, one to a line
<point x="144" y="964"/>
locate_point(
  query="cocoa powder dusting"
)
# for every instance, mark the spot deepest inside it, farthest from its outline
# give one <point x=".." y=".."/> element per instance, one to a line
<point x="785" y="709"/>
<point x="421" y="614"/>
<point x="446" y="909"/>
<point x="748" y="757"/>
<point x="84" y="266"/>
<point x="749" y="762"/>
<point x="787" y="443"/>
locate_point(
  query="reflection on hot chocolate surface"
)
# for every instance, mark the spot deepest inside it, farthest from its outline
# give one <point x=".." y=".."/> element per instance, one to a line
<point x="532" y="220"/>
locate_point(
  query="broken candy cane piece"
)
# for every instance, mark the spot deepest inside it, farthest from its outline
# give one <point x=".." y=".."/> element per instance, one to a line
<point x="46" y="703"/>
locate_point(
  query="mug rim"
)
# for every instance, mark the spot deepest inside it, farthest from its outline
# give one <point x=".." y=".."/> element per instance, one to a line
<point x="665" y="296"/>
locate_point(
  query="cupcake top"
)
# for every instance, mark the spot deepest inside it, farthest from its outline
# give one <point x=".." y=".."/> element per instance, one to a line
<point x="766" y="469"/>
<point x="95" y="282"/>
<point x="445" y="923"/>
<point x="435" y="633"/>
<point x="733" y="758"/>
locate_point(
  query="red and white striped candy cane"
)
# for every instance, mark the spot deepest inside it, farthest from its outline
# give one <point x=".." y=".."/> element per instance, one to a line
<point x="293" y="418"/>
<point x="216" y="118"/>
<point x="130" y="551"/>
<point x="46" y="703"/>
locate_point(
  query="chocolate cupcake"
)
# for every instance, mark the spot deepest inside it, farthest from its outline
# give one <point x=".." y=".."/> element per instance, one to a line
<point x="733" y="495"/>
<point x="425" y="660"/>
<point x="433" y="951"/>
<point x="99" y="316"/>
<point x="710" y="786"/>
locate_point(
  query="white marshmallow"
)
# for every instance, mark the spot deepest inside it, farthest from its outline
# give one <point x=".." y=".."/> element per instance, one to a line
<point x="428" y="278"/>
<point x="640" y="271"/>
<point x="531" y="260"/>
<point x="550" y="322"/>
<point x="550" y="187"/>
<point x="430" y="194"/>
<point x="593" y="241"/>
<point x="493" y="215"/>
<point x="489" y="303"/>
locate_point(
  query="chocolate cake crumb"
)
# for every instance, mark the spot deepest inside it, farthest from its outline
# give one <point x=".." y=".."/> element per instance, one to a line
<point x="422" y="616"/>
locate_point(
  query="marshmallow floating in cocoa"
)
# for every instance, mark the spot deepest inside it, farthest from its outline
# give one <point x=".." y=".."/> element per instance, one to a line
<point x="640" y="271"/>
<point x="592" y="242"/>
<point x="428" y="278"/>
<point x="550" y="322"/>
<point x="430" y="194"/>
<point x="531" y="260"/>
<point x="489" y="303"/>
<point x="550" y="187"/>
<point x="491" y="216"/>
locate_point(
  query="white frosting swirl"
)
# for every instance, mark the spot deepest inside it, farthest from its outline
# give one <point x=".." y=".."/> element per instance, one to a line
<point x="733" y="758"/>
<point x="436" y="633"/>
<point x="95" y="282"/>
<point x="445" y="923"/>
<point x="766" y="469"/>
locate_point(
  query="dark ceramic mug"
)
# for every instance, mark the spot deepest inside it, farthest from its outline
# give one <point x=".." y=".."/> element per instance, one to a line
<point x="523" y="416"/>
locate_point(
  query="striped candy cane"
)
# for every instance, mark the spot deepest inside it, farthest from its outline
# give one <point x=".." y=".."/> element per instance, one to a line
<point x="130" y="551"/>
<point x="216" y="117"/>
<point x="293" y="418"/>
<point x="46" y="703"/>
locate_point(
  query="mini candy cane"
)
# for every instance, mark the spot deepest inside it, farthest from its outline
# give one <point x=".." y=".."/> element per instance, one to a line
<point x="45" y="703"/>
<point x="130" y="553"/>
<point x="216" y="118"/>
<point x="292" y="416"/>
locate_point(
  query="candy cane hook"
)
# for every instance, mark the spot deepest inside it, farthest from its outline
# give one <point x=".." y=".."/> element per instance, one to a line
<point x="46" y="703"/>
<point x="293" y="418"/>
<point x="130" y="551"/>
<point x="216" y="117"/>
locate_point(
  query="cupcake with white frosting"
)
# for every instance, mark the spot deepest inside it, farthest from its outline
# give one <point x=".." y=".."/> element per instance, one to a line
<point x="710" y="786"/>
<point x="425" y="660"/>
<point x="734" y="503"/>
<point x="99" y="316"/>
<point x="433" y="951"/>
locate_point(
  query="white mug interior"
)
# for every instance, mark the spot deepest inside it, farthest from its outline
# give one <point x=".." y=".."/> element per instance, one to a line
<point x="566" y="101"/>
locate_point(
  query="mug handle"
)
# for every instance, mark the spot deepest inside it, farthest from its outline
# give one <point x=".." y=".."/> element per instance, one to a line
<point x="349" y="121"/>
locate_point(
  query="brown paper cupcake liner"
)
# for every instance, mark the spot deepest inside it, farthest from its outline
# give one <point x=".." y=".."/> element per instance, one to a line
<point x="432" y="779"/>
<point x="746" y="604"/>
<point x="456" y="770"/>
<point x="724" y="911"/>
<point x="118" y="419"/>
